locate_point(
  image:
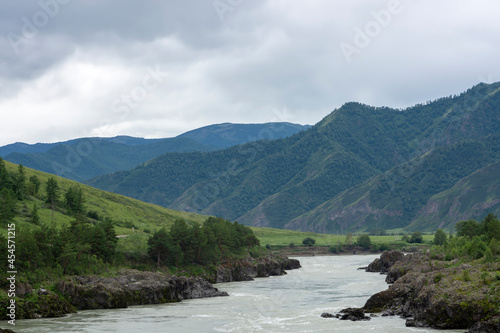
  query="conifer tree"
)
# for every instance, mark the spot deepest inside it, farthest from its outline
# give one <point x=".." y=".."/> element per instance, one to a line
<point x="19" y="185"/>
<point x="35" y="218"/>
<point x="52" y="193"/>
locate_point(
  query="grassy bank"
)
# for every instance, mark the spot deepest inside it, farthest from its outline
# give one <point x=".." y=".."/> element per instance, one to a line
<point x="283" y="238"/>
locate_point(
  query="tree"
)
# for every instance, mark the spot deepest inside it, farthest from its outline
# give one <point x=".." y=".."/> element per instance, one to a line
<point x="19" y="185"/>
<point x="73" y="200"/>
<point x="469" y="228"/>
<point x="183" y="236"/>
<point x="491" y="226"/>
<point x="52" y="193"/>
<point x="348" y="240"/>
<point x="8" y="205"/>
<point x="416" y="237"/>
<point x="308" y="241"/>
<point x="161" y="249"/>
<point x="364" y="241"/>
<point x="440" y="237"/>
<point x="4" y="175"/>
<point x="34" y="185"/>
<point x="35" y="218"/>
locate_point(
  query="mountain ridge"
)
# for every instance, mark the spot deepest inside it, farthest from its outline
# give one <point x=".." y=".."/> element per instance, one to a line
<point x="273" y="183"/>
<point x="85" y="158"/>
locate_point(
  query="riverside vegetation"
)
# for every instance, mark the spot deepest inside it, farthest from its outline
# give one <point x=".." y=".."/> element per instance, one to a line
<point x="453" y="285"/>
<point x="68" y="255"/>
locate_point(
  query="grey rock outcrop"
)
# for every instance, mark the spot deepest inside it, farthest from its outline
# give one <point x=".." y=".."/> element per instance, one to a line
<point x="133" y="288"/>
<point x="386" y="261"/>
<point x="248" y="269"/>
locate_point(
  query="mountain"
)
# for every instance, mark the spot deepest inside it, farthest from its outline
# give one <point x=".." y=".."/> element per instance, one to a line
<point x="84" y="158"/>
<point x="227" y="134"/>
<point x="25" y="148"/>
<point x="360" y="167"/>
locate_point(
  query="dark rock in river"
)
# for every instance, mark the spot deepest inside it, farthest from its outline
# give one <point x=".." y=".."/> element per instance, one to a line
<point x="386" y="261"/>
<point x="354" y="314"/>
<point x="329" y="315"/>
<point x="6" y="331"/>
<point x="133" y="288"/>
<point x="379" y="301"/>
<point x="248" y="269"/>
<point x="293" y="264"/>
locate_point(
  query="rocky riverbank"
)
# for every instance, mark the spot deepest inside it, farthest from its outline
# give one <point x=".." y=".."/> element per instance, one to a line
<point x="132" y="287"/>
<point x="248" y="269"/>
<point x="438" y="294"/>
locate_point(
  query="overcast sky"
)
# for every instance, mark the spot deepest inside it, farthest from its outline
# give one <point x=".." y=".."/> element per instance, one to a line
<point x="75" y="68"/>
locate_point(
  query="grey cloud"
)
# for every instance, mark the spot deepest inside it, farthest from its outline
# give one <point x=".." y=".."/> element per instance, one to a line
<point x="261" y="56"/>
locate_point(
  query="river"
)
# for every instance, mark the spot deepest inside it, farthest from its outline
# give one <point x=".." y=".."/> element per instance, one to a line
<point x="290" y="303"/>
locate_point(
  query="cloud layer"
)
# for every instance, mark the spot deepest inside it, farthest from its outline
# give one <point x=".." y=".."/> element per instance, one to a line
<point x="73" y="68"/>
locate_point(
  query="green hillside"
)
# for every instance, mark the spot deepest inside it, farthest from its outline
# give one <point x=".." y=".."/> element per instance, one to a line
<point x="377" y="204"/>
<point x="469" y="198"/>
<point x="408" y="155"/>
<point x="126" y="212"/>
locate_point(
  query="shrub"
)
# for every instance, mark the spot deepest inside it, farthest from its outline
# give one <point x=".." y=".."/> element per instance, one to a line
<point x="466" y="276"/>
<point x="291" y="245"/>
<point x="309" y="241"/>
<point x="384" y="247"/>
<point x="336" y="248"/>
<point x="364" y="241"/>
<point x="416" y="237"/>
<point x="440" y="237"/>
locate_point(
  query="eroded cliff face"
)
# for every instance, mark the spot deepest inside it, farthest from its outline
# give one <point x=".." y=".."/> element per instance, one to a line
<point x="445" y="295"/>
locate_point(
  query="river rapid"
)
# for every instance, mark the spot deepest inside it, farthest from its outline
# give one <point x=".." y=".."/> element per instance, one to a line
<point x="289" y="303"/>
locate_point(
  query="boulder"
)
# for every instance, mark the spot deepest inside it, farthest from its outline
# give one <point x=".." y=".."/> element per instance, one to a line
<point x="354" y="314"/>
<point x="23" y="288"/>
<point x="380" y="301"/>
<point x="292" y="264"/>
<point x="386" y="261"/>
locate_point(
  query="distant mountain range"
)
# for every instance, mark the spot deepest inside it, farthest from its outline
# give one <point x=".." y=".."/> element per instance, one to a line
<point x="361" y="167"/>
<point x="84" y="158"/>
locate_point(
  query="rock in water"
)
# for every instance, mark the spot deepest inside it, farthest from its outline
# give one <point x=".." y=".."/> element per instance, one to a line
<point x="354" y="314"/>
<point x="386" y="261"/>
<point x="328" y="315"/>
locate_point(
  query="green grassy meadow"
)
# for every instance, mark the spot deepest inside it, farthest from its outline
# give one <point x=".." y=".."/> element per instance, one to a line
<point x="280" y="237"/>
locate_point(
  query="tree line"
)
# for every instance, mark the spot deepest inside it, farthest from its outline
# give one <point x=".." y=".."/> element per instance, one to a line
<point x="200" y="244"/>
<point x="474" y="240"/>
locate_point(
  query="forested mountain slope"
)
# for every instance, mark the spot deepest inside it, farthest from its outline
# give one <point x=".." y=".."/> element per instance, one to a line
<point x="399" y="157"/>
